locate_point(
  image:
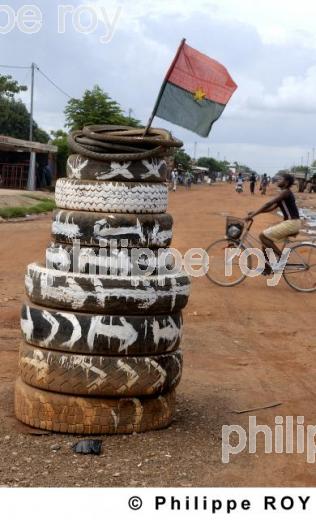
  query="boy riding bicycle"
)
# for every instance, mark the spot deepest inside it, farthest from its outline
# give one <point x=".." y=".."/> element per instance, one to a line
<point x="291" y="224"/>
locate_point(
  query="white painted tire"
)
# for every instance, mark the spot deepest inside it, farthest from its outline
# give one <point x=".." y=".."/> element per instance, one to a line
<point x="119" y="261"/>
<point x="80" y="167"/>
<point x="107" y="294"/>
<point x="128" y="230"/>
<point x="111" y="197"/>
<point x="79" y="333"/>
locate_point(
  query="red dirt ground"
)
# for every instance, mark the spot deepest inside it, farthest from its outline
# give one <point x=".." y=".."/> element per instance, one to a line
<point x="244" y="347"/>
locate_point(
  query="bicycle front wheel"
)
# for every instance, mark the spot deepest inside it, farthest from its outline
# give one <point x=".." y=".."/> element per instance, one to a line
<point x="300" y="270"/>
<point x="224" y="262"/>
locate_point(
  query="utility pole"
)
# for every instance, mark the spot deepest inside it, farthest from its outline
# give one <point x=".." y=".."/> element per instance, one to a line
<point x="195" y="147"/>
<point x="313" y="156"/>
<point x="31" y="184"/>
<point x="208" y="152"/>
<point x="32" y="102"/>
<point x="307" y="158"/>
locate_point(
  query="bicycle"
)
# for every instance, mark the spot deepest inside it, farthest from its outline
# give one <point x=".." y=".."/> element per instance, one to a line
<point x="300" y="265"/>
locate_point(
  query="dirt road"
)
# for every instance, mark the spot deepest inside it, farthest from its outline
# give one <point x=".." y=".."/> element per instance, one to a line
<point x="244" y="348"/>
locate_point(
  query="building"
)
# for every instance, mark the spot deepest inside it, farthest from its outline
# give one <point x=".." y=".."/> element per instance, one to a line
<point x="21" y="162"/>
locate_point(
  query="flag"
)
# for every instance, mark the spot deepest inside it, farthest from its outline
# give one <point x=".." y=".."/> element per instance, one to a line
<point x="195" y="91"/>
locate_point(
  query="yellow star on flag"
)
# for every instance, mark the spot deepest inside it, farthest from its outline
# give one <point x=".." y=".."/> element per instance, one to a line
<point x="199" y="94"/>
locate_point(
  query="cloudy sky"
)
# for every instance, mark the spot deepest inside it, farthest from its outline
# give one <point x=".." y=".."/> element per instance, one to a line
<point x="269" y="48"/>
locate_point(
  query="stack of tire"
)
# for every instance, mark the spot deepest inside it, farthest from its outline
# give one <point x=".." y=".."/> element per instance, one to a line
<point x="101" y="343"/>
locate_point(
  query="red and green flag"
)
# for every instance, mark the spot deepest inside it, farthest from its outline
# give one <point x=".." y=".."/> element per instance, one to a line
<point x="195" y="91"/>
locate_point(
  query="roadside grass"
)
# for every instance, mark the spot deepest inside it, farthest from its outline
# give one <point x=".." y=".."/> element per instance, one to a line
<point x="44" y="206"/>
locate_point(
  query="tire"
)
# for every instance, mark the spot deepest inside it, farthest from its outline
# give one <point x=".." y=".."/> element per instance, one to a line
<point x="107" y="376"/>
<point x="128" y="230"/>
<point x="146" y="170"/>
<point x="108" y="261"/>
<point x="216" y="266"/>
<point x="107" y="294"/>
<point x="111" y="197"/>
<point x="91" y="415"/>
<point x="101" y="335"/>
<point x="295" y="274"/>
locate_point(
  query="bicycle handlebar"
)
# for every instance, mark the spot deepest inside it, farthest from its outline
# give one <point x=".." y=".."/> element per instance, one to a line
<point x="249" y="223"/>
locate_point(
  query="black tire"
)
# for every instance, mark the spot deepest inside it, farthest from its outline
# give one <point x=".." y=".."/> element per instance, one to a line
<point x="146" y="170"/>
<point x="111" y="197"/>
<point x="217" y="263"/>
<point x="127" y="229"/>
<point x="107" y="261"/>
<point x="300" y="274"/>
<point x="107" y="294"/>
<point x="92" y="415"/>
<point x="108" y="376"/>
<point x="100" y="335"/>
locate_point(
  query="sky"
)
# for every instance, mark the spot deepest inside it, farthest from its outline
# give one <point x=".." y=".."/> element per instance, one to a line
<point x="126" y="47"/>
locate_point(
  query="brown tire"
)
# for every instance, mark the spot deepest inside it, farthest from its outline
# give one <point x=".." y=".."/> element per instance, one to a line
<point x="108" y="376"/>
<point x="91" y="415"/>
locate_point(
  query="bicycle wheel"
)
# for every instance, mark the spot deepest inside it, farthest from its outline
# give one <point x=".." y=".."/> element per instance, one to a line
<point x="300" y="270"/>
<point x="224" y="266"/>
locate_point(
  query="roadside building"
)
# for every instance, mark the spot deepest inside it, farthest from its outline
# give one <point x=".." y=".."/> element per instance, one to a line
<point x="22" y="163"/>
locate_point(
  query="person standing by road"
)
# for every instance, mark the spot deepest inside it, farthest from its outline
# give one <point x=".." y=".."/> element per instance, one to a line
<point x="239" y="183"/>
<point x="174" y="178"/>
<point x="252" y="183"/>
<point x="264" y="184"/>
<point x="188" y="180"/>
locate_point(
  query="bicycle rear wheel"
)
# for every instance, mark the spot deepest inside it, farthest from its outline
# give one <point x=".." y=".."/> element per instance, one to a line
<point x="224" y="267"/>
<point x="300" y="270"/>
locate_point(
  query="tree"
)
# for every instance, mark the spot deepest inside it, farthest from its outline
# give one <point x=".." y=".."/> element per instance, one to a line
<point x="60" y="140"/>
<point x="303" y="169"/>
<point x="9" y="87"/>
<point x="15" y="121"/>
<point x="182" y="159"/>
<point x="212" y="164"/>
<point x="14" y="116"/>
<point x="95" y="107"/>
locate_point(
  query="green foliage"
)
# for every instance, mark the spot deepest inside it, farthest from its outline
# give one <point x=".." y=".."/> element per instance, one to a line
<point x="15" y="118"/>
<point x="182" y="159"/>
<point x="95" y="107"/>
<point x="212" y="164"/>
<point x="60" y="140"/>
<point x="9" y="87"/>
<point x="303" y="169"/>
<point x="245" y="169"/>
<point x="15" y="121"/>
<point x="44" y="206"/>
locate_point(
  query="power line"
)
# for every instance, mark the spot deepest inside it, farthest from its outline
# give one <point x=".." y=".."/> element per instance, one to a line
<point x="41" y="72"/>
<point x="14" y="67"/>
<point x="53" y="83"/>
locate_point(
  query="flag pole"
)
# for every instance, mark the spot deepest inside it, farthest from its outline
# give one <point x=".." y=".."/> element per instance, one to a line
<point x="162" y="88"/>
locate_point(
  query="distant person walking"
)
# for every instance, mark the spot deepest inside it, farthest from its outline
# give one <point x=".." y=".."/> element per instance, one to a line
<point x="174" y="178"/>
<point x="239" y="183"/>
<point x="188" y="180"/>
<point x="264" y="184"/>
<point x="252" y="183"/>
